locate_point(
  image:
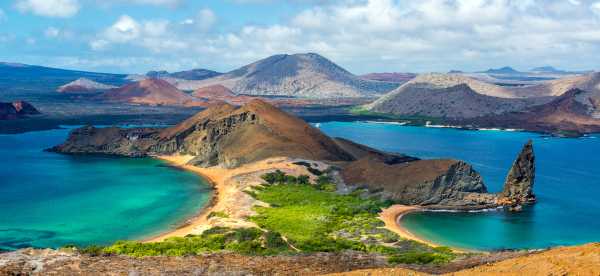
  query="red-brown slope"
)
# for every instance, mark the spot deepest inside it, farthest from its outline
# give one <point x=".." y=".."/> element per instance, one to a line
<point x="565" y="113"/>
<point x="149" y="92"/>
<point x="250" y="133"/>
<point x="221" y="93"/>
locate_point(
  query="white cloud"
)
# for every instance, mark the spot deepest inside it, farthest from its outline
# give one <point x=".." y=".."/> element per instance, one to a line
<point x="167" y="3"/>
<point x="595" y="7"/>
<point x="52" y="32"/>
<point x="373" y="35"/>
<point x="203" y="21"/>
<point x="154" y="35"/>
<point x="55" y="33"/>
<point x="124" y="30"/>
<point x="206" y="18"/>
<point x="49" y="8"/>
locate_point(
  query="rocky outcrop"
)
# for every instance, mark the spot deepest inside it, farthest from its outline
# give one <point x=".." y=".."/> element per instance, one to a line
<point x="16" y="110"/>
<point x="518" y="187"/>
<point x="440" y="184"/>
<point x="447" y="184"/>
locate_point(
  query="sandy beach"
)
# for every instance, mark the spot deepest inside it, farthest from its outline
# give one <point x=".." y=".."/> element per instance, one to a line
<point x="229" y="198"/>
<point x="393" y="214"/>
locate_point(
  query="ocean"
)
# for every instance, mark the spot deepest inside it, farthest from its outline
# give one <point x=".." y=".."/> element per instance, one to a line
<point x="567" y="184"/>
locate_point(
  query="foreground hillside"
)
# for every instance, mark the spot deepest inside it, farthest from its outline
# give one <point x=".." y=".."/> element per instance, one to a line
<point x="575" y="260"/>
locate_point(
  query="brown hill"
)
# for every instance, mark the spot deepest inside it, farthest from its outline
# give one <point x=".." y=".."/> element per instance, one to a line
<point x="149" y="92"/>
<point x="299" y="75"/>
<point x="255" y="131"/>
<point x="565" y="113"/>
<point x="589" y="83"/>
<point x="221" y="93"/>
<point x="441" y="101"/>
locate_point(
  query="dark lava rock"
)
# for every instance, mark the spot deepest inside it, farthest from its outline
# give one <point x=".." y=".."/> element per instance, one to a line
<point x="518" y="187"/>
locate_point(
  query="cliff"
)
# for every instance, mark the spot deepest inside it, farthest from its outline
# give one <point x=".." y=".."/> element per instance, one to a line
<point x="441" y="184"/>
<point x="518" y="187"/>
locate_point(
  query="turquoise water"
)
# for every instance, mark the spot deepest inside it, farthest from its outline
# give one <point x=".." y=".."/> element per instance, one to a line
<point x="49" y="200"/>
<point x="567" y="184"/>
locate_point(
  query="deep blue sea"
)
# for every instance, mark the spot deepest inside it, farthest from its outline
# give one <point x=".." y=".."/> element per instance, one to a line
<point x="50" y="200"/>
<point x="567" y="184"/>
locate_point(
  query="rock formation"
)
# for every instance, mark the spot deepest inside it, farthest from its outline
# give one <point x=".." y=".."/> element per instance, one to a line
<point x="518" y="187"/>
<point x="229" y="136"/>
<point x="16" y="110"/>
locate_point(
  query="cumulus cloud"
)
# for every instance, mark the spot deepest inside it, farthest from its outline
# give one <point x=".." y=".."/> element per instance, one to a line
<point x="151" y="34"/>
<point x="49" y="8"/>
<point x="57" y="33"/>
<point x="370" y="35"/>
<point x="595" y="7"/>
<point x="167" y="3"/>
<point x="204" y="20"/>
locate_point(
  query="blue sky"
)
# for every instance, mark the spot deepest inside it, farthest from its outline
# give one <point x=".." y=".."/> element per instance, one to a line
<point x="363" y="36"/>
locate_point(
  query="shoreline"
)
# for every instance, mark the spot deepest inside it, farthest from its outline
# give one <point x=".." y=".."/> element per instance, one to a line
<point x="229" y="198"/>
<point x="392" y="216"/>
<point x="201" y="217"/>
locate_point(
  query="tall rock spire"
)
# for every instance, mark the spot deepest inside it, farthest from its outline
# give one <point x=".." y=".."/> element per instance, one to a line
<point x="518" y="187"/>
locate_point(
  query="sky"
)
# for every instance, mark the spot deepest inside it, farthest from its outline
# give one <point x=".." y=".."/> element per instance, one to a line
<point x="363" y="36"/>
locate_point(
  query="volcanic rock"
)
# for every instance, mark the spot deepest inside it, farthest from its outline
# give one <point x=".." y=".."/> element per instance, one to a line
<point x="518" y="187"/>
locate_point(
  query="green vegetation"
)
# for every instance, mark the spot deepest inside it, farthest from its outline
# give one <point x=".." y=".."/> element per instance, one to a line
<point x="302" y="218"/>
<point x="332" y="222"/>
<point x="218" y="215"/>
<point x="412" y="120"/>
<point x="248" y="241"/>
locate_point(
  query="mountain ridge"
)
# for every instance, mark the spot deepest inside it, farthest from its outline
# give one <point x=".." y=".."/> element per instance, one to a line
<point x="300" y="75"/>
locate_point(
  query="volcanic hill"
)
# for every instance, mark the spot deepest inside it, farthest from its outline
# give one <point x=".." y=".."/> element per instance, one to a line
<point x="299" y="75"/>
<point x="149" y="92"/>
<point x="84" y="85"/>
<point x="449" y="96"/>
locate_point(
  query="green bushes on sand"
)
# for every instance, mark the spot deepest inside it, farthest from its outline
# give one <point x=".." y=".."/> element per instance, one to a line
<point x="314" y="218"/>
<point x="249" y="241"/>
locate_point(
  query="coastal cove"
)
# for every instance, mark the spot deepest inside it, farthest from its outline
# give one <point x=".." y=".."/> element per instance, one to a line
<point x="51" y="200"/>
<point x="566" y="184"/>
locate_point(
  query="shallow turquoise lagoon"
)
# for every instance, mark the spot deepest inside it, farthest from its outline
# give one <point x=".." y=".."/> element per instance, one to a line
<point x="49" y="200"/>
<point x="567" y="184"/>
